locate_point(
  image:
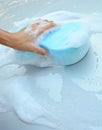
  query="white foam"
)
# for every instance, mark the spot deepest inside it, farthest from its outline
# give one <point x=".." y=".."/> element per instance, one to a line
<point x="53" y="97"/>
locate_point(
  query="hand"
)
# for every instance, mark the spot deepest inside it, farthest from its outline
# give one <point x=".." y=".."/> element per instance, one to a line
<point x="25" y="39"/>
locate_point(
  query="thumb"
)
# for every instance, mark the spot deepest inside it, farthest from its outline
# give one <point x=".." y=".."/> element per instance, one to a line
<point x="38" y="49"/>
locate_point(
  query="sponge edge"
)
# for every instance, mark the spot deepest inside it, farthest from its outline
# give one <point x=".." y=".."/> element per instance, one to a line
<point x="67" y="44"/>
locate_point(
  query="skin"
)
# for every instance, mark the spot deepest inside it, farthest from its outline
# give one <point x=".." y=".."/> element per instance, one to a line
<point x="25" y="39"/>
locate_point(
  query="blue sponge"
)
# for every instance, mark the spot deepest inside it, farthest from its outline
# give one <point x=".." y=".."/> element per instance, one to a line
<point x="68" y="43"/>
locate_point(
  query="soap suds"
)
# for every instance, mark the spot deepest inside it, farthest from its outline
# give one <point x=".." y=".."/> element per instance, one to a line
<point x="93" y="81"/>
<point x="53" y="89"/>
<point x="58" y="97"/>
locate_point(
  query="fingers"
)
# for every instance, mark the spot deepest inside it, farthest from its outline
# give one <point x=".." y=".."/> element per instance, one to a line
<point x="37" y="29"/>
<point x="42" y="26"/>
<point x="46" y="25"/>
<point x="40" y="23"/>
<point x="45" y="28"/>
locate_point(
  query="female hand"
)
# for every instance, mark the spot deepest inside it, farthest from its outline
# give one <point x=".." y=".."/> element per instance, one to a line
<point x="25" y="39"/>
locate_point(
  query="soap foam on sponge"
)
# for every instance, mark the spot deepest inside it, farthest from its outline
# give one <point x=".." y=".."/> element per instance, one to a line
<point x="68" y="43"/>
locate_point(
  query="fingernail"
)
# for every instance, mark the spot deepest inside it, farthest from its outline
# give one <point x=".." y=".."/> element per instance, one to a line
<point x="43" y="52"/>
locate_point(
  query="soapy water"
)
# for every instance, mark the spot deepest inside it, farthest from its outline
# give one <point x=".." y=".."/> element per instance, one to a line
<point x="91" y="26"/>
<point x="60" y="97"/>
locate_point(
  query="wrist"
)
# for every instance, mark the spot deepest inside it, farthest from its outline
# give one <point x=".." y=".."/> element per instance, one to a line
<point x="6" y="38"/>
